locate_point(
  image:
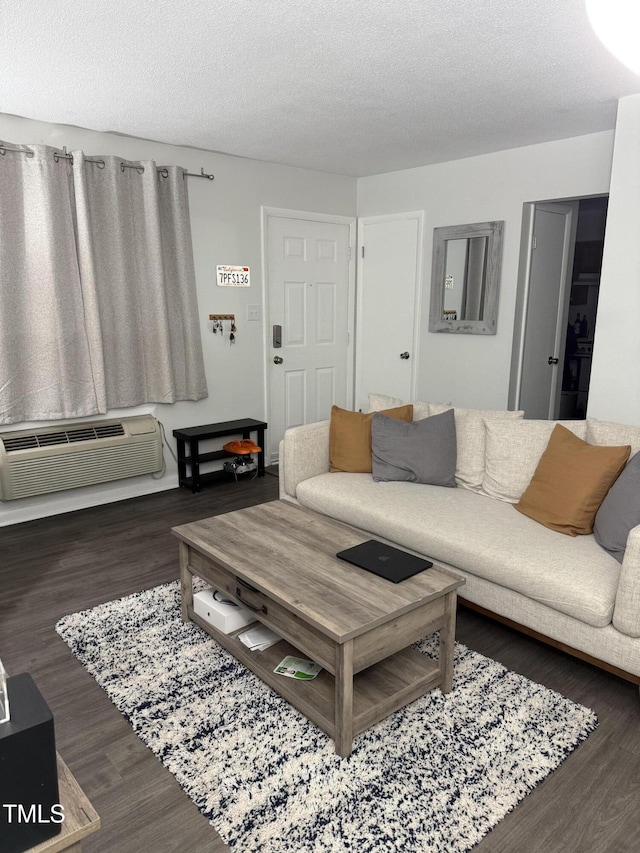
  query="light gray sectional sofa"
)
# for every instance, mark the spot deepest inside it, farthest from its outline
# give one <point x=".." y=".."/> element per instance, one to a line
<point x="565" y="589"/>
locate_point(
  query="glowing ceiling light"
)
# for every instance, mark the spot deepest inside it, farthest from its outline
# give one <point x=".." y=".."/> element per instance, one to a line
<point x="617" y="25"/>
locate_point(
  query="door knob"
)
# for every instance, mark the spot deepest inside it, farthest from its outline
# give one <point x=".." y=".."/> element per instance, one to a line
<point x="277" y="359"/>
<point x="404" y="355"/>
<point x="552" y="360"/>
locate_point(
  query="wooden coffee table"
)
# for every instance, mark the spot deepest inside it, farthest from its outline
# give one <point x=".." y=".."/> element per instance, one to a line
<point x="279" y="560"/>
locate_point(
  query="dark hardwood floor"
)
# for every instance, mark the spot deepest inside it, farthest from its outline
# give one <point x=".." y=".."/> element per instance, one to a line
<point x="72" y="562"/>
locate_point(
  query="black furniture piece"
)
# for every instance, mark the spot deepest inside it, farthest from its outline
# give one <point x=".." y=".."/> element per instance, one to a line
<point x="29" y="792"/>
<point x="192" y="436"/>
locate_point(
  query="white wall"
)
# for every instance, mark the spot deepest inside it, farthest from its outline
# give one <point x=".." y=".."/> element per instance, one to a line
<point x="614" y="390"/>
<point x="226" y="226"/>
<point x="473" y="370"/>
<point x="468" y="370"/>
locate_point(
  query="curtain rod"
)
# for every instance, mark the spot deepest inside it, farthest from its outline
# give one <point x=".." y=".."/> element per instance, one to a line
<point x="101" y="164"/>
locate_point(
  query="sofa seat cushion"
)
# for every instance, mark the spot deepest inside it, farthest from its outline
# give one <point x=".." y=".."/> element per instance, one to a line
<point x="477" y="534"/>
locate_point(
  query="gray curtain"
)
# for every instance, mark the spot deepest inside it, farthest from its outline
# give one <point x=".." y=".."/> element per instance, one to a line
<point x="45" y="365"/>
<point x="119" y="283"/>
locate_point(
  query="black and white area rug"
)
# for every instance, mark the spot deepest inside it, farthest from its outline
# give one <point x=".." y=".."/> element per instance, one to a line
<point x="435" y="776"/>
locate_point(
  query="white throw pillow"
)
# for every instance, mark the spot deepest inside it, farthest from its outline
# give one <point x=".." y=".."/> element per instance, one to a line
<point x="470" y="433"/>
<point x="512" y="452"/>
<point x="613" y="434"/>
<point x="379" y="402"/>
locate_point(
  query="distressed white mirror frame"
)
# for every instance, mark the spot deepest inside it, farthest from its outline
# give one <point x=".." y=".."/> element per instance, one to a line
<point x="488" y="323"/>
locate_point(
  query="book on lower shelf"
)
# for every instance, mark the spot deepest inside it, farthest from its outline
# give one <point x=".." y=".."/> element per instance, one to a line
<point x="301" y="668"/>
<point x="259" y="638"/>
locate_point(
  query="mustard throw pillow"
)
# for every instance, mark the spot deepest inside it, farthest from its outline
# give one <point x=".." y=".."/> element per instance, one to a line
<point x="350" y="438"/>
<point x="570" y="482"/>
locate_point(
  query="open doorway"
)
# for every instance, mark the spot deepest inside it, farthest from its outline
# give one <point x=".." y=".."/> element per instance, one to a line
<point x="556" y="307"/>
<point x="583" y="307"/>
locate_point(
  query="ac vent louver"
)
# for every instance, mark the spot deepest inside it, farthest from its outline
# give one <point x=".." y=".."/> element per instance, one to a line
<point x="54" y="458"/>
<point x="48" y="439"/>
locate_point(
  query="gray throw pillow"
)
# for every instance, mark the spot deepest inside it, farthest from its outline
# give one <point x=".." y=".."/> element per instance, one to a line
<point x="619" y="511"/>
<point x="422" y="451"/>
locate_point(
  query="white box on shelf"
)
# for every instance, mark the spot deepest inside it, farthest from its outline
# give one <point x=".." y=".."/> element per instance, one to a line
<point x="222" y="613"/>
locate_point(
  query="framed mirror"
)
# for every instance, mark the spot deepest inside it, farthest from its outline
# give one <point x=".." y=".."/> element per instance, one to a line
<point x="465" y="278"/>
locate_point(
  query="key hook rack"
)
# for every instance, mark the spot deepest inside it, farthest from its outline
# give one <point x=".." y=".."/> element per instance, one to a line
<point x="218" y="325"/>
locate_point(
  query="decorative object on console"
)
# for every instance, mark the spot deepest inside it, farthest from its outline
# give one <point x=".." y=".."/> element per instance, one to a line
<point x="438" y="774"/>
<point x="241" y="446"/>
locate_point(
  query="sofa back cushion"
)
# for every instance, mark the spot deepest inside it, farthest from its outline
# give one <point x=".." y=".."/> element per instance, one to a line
<point x="512" y="452"/>
<point x="570" y="482"/>
<point x="380" y="402"/>
<point x="608" y="433"/>
<point x="420" y="452"/>
<point x="350" y="438"/>
<point x="470" y="439"/>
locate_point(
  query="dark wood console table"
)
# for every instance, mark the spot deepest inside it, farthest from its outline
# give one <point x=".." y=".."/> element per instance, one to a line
<point x="192" y="436"/>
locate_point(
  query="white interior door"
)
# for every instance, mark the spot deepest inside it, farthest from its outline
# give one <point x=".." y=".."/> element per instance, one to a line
<point x="545" y="320"/>
<point x="388" y="305"/>
<point x="309" y="295"/>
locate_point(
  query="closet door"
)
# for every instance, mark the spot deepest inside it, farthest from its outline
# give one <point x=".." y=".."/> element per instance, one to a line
<point x="388" y="305"/>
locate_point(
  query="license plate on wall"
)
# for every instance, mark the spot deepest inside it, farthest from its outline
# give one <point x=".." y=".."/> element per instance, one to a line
<point x="231" y="276"/>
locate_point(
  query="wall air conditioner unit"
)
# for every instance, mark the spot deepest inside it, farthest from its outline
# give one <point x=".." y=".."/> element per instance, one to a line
<point x="38" y="461"/>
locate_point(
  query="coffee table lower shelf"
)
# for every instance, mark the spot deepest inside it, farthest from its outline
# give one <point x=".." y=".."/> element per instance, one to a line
<point x="378" y="690"/>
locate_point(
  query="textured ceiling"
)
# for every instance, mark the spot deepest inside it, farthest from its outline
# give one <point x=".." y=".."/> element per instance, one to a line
<point x="343" y="86"/>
